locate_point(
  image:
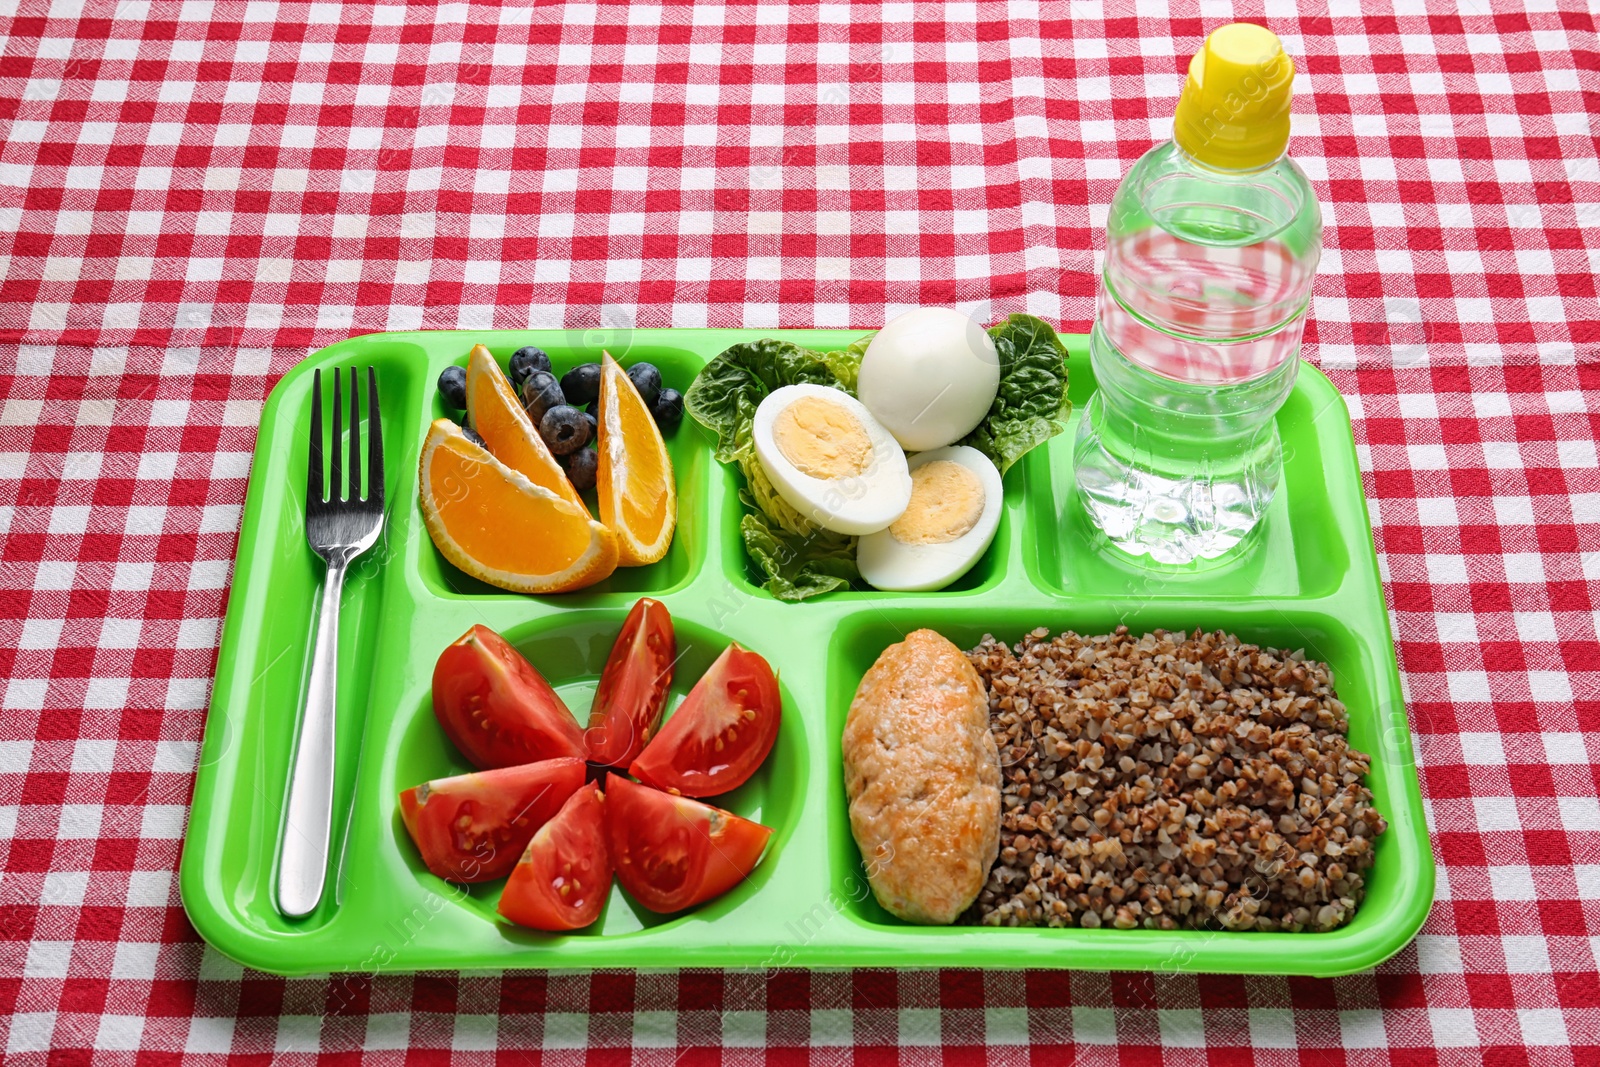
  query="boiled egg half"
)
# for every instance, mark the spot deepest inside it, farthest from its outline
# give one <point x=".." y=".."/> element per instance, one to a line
<point x="950" y="522"/>
<point x="830" y="460"/>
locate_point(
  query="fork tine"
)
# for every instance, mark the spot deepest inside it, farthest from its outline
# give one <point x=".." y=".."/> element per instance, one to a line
<point x="355" y="438"/>
<point x="314" y="454"/>
<point x="336" y="451"/>
<point x="375" y="440"/>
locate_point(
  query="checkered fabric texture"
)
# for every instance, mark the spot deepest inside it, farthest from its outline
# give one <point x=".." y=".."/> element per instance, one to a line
<point x="194" y="196"/>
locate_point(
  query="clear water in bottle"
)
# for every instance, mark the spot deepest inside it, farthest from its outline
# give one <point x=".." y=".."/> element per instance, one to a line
<point x="1201" y="306"/>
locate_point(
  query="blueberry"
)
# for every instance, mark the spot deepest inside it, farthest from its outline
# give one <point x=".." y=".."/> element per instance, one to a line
<point x="540" y="393"/>
<point x="453" y="387"/>
<point x="472" y="435"/>
<point x="564" y="429"/>
<point x="594" y="425"/>
<point x="582" y="466"/>
<point x="526" y="360"/>
<point x="647" y="380"/>
<point x="668" y="410"/>
<point x="582" y="384"/>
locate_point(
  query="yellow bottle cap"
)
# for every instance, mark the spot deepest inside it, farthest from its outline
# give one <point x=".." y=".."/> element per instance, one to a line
<point x="1234" y="111"/>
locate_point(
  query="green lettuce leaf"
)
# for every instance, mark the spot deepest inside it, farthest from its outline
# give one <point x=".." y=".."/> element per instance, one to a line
<point x="797" y="566"/>
<point x="724" y="396"/>
<point x="762" y="496"/>
<point x="846" y="362"/>
<point x="796" y="558"/>
<point x="1032" y="404"/>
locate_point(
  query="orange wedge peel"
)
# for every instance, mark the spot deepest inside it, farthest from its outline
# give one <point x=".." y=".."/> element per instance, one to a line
<point x="499" y="418"/>
<point x="496" y="524"/>
<point x="637" y="494"/>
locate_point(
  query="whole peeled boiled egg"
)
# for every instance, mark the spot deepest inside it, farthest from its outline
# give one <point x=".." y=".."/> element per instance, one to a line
<point x="830" y="460"/>
<point x="930" y="376"/>
<point x="950" y="522"/>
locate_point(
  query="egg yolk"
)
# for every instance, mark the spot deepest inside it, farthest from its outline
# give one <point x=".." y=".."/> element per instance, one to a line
<point x="946" y="502"/>
<point x="822" y="439"/>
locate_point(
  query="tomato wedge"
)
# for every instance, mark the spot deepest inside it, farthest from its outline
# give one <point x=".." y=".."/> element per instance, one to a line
<point x="671" y="852"/>
<point x="496" y="708"/>
<point x="562" y="880"/>
<point x="720" y="733"/>
<point x="633" y="687"/>
<point x="472" y="828"/>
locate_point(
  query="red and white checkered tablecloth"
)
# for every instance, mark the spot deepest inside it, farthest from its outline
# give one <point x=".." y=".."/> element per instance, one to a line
<point x="193" y="196"/>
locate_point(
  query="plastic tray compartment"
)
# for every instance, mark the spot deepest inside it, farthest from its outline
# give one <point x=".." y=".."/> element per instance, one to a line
<point x="1309" y="580"/>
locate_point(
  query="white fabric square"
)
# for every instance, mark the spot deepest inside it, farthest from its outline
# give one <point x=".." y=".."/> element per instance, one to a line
<point x="1580" y="814"/>
<point x="15" y="756"/>
<point x="1496" y="813"/>
<point x="744" y="1029"/>
<point x="1006" y="1026"/>
<point x="210" y="1035"/>
<point x="65" y="519"/>
<point x="1513" y="510"/>
<point x="120" y="633"/>
<point x="1550" y="686"/>
<point x="1543" y="1026"/>
<point x="1437" y="511"/>
<point x="1445" y="570"/>
<point x="1512" y="883"/>
<point x="106" y="693"/>
<point x="832" y="1028"/>
<point x="1535" y="625"/>
<point x="1524" y="567"/>
<point x="47" y="959"/>
<point x="1526" y="954"/>
<point x="1182" y="1027"/>
<point x="1272" y="1028"/>
<point x="40" y="633"/>
<point x="300" y="1033"/>
<point x="149" y="889"/>
<point x="1469" y="687"/>
<point x="79" y="822"/>
<point x="1438" y="954"/>
<point x="163" y="821"/>
<point x="31" y="1031"/>
<point x="566" y="1030"/>
<point x="388" y="1030"/>
<point x="920" y="1027"/>
<point x="1362" y="1029"/>
<point x="1453" y="1027"/>
<point x="1565" y="748"/>
<point x="1094" y="1026"/>
<point x="64" y="888"/>
<point x="136" y="959"/>
<point x="476" y="1033"/>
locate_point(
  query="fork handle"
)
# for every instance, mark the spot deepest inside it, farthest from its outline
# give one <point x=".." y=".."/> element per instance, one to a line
<point x="308" y="826"/>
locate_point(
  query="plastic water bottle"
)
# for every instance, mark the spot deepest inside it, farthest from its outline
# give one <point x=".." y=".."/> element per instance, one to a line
<point x="1212" y="242"/>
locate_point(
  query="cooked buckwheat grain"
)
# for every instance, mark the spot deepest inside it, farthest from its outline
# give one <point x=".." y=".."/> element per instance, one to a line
<point x="1172" y="781"/>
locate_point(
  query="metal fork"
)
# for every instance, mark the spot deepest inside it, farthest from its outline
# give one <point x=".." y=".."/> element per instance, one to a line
<point x="339" y="527"/>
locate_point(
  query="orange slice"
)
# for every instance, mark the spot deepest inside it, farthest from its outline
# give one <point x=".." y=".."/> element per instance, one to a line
<point x="497" y="525"/>
<point x="505" y="427"/>
<point x="638" y="498"/>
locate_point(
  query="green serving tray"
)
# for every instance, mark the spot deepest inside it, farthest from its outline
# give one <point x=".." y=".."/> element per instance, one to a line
<point x="1309" y="579"/>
